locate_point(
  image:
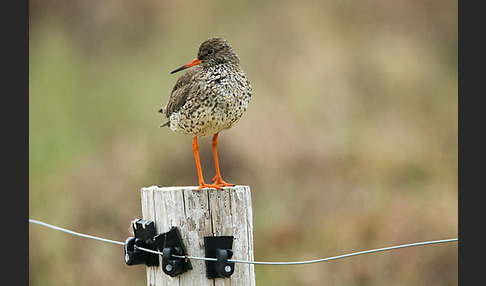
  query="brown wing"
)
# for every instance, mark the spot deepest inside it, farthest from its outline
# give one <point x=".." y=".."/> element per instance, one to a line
<point x="180" y="92"/>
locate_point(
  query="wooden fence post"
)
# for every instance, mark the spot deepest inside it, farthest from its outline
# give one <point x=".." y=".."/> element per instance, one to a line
<point x="209" y="212"/>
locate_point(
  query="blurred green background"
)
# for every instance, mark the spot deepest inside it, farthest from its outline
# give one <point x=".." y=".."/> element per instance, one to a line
<point x="350" y="141"/>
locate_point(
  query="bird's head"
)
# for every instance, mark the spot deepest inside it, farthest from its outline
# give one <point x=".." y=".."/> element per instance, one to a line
<point x="212" y="52"/>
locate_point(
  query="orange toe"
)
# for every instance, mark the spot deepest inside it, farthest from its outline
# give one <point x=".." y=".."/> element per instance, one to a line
<point x="219" y="181"/>
<point x="209" y="186"/>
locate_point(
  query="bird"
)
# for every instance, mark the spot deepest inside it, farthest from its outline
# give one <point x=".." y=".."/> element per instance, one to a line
<point x="209" y="97"/>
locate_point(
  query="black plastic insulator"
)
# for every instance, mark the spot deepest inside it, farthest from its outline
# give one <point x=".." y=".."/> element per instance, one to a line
<point x="172" y="266"/>
<point x="222" y="267"/>
<point x="170" y="244"/>
<point x="133" y="256"/>
<point x="219" y="247"/>
<point x="144" y="231"/>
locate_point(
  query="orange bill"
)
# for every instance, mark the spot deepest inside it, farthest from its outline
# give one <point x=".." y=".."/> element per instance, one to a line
<point x="194" y="62"/>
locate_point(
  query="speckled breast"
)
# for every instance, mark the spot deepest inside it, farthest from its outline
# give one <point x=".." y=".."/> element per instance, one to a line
<point x="217" y="99"/>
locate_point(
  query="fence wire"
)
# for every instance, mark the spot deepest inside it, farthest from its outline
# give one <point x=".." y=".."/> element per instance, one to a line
<point x="252" y="262"/>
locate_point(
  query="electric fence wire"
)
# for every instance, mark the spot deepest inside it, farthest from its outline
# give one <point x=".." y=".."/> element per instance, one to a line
<point x="251" y="262"/>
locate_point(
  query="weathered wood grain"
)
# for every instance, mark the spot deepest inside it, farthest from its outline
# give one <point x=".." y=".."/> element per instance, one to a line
<point x="209" y="212"/>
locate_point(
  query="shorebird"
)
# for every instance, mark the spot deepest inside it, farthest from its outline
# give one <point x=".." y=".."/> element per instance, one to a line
<point x="208" y="98"/>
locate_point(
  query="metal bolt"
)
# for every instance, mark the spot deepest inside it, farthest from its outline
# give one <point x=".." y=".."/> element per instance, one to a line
<point x="227" y="268"/>
<point x="168" y="267"/>
<point x="127" y="257"/>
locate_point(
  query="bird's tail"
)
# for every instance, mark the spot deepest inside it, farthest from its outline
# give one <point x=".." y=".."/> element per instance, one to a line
<point x="165" y="123"/>
<point x="162" y="110"/>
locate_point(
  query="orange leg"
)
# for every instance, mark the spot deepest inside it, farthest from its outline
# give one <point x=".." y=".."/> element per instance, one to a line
<point x="195" y="148"/>
<point x="217" y="179"/>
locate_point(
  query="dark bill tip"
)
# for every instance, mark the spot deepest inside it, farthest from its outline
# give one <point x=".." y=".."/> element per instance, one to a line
<point x="179" y="69"/>
<point x="194" y="62"/>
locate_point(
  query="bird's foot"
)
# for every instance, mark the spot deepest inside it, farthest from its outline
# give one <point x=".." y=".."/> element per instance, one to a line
<point x="219" y="181"/>
<point x="202" y="185"/>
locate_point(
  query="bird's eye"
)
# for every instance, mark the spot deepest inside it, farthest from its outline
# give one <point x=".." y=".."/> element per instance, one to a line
<point x="210" y="52"/>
